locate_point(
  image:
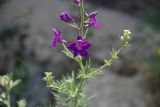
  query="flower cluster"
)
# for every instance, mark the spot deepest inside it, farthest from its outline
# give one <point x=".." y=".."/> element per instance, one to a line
<point x="80" y="46"/>
<point x="69" y="91"/>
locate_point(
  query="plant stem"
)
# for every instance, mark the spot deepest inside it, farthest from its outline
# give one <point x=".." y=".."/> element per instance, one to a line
<point x="8" y="96"/>
<point x="105" y="65"/>
<point x="101" y="68"/>
<point x="81" y="33"/>
<point x="75" y="99"/>
<point x="82" y="18"/>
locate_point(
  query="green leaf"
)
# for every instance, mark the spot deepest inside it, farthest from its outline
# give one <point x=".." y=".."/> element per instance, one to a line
<point x="69" y="54"/>
<point x="108" y="62"/>
<point x="87" y="72"/>
<point x="114" y="53"/>
<point x="22" y="103"/>
<point x="14" y="83"/>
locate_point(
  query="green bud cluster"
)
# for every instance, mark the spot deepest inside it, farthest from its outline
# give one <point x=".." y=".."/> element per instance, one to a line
<point x="125" y="38"/>
<point x="8" y="84"/>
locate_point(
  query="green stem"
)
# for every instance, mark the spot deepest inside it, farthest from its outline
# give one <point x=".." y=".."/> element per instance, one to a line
<point x="8" y="103"/>
<point x="81" y="32"/>
<point x="80" y="63"/>
<point x="105" y="65"/>
<point x="81" y="85"/>
<point x="101" y="68"/>
<point x="75" y="101"/>
<point x="85" y="35"/>
<point x="8" y="96"/>
<point x="82" y="18"/>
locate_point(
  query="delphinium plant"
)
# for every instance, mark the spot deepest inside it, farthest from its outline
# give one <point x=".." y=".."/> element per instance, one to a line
<point x="7" y="85"/>
<point x="69" y="91"/>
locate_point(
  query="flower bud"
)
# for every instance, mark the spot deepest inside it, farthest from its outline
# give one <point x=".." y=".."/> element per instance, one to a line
<point x="66" y="17"/>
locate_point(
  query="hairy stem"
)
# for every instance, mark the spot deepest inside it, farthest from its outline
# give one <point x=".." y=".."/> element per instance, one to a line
<point x="81" y="32"/>
<point x="82" y="18"/>
<point x="105" y="65"/>
<point x="75" y="99"/>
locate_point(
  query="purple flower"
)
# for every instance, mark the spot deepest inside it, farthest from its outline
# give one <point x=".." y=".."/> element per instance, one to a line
<point x="79" y="47"/>
<point x="77" y="1"/>
<point x="66" y="17"/>
<point x="57" y="38"/>
<point x="92" y="21"/>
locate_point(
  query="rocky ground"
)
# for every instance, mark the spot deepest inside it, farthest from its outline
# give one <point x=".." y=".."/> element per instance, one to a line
<point x="34" y="20"/>
<point x="111" y="90"/>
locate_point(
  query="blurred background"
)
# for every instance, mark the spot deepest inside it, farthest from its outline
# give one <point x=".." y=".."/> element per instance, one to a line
<point x="132" y="81"/>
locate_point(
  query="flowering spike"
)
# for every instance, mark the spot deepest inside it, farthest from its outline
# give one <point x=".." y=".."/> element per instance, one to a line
<point x="57" y="38"/>
<point x="69" y="87"/>
<point x="79" y="47"/>
<point x="66" y="17"/>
